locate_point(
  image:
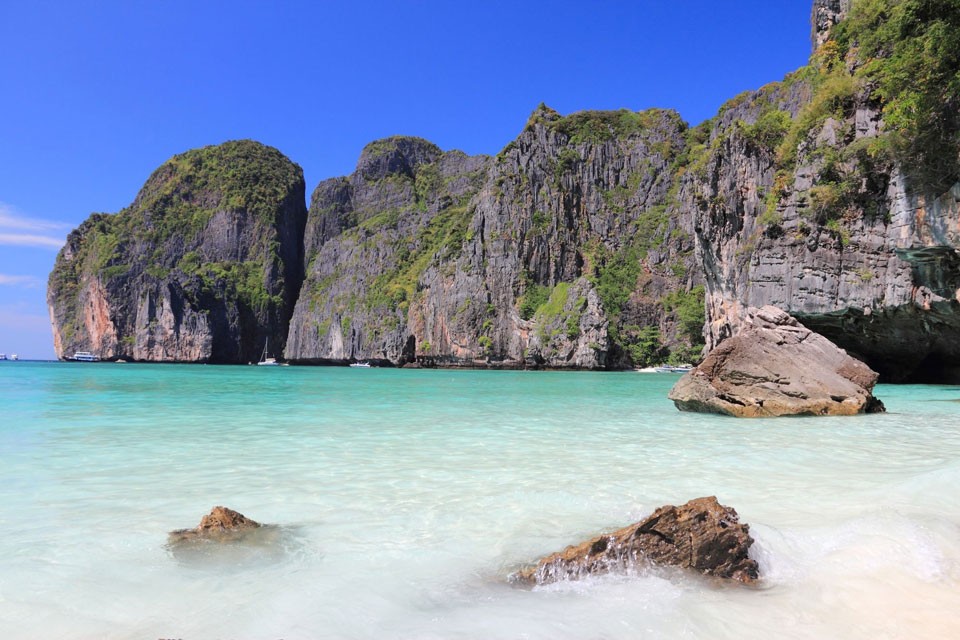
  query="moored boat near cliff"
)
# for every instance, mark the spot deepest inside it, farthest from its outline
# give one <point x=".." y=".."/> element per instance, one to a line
<point x="84" y="356"/>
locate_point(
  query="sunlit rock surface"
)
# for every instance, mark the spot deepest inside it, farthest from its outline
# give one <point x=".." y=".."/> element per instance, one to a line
<point x="701" y="535"/>
<point x="775" y="367"/>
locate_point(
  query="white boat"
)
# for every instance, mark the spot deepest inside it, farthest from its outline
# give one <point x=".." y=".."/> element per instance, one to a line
<point x="361" y="365"/>
<point x="14" y="356"/>
<point x="265" y="360"/>
<point x="669" y="368"/>
<point x="3" y="356"/>
<point x="85" y="356"/>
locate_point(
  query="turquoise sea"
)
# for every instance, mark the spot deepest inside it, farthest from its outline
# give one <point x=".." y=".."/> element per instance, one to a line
<point x="404" y="499"/>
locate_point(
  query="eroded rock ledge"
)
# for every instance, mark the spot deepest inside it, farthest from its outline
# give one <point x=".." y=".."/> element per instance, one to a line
<point x="702" y="535"/>
<point x="775" y="367"/>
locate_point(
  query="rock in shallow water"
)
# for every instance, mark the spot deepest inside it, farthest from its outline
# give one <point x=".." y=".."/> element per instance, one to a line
<point x="776" y="367"/>
<point x="702" y="535"/>
<point x="220" y="525"/>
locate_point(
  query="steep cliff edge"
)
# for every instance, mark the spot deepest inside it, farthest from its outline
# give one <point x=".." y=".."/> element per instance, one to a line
<point x="203" y="266"/>
<point x="368" y="239"/>
<point x="558" y="252"/>
<point x="833" y="195"/>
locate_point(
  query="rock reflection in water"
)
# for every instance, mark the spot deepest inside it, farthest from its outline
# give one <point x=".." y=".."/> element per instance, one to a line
<point x="266" y="544"/>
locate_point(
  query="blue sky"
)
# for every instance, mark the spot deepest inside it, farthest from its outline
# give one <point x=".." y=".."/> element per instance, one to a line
<point x="95" y="95"/>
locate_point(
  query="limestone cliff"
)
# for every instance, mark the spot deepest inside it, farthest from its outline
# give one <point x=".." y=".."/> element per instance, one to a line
<point x="809" y="200"/>
<point x="204" y="266"/>
<point x="558" y="252"/>
<point x="832" y="194"/>
<point x="593" y="240"/>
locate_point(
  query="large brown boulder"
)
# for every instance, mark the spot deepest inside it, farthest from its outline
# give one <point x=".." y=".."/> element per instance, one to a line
<point x="702" y="535"/>
<point x="220" y="525"/>
<point x="777" y="367"/>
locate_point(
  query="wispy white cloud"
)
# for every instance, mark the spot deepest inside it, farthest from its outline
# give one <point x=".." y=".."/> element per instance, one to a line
<point x="31" y="240"/>
<point x="13" y="218"/>
<point x="44" y="234"/>
<point x="19" y="281"/>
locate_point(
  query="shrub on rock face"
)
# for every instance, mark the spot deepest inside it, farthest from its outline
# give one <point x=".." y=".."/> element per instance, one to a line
<point x="777" y="367"/>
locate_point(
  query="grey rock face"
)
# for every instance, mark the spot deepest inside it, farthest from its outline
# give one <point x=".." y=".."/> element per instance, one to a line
<point x="882" y="285"/>
<point x="878" y="275"/>
<point x="774" y="367"/>
<point x="204" y="266"/>
<point x="368" y="239"/>
<point x="476" y="261"/>
<point x="827" y="13"/>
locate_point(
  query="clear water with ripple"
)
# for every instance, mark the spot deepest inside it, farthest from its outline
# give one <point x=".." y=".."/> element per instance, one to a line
<point x="404" y="498"/>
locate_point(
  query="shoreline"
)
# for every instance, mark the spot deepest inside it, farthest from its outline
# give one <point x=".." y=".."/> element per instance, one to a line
<point x="506" y="366"/>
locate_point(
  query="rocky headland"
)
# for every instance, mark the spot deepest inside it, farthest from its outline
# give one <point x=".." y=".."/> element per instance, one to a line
<point x="595" y="240"/>
<point x="203" y="266"/>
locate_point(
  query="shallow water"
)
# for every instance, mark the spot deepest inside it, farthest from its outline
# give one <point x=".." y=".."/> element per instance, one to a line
<point x="404" y="498"/>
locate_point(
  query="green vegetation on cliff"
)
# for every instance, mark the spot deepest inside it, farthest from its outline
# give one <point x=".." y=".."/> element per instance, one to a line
<point x="165" y="234"/>
<point x="434" y="219"/>
<point x="239" y="175"/>
<point x="689" y="309"/>
<point x="595" y="127"/>
<point x="615" y="277"/>
<point x="598" y="126"/>
<point x="908" y="55"/>
<point x="181" y="196"/>
<point x="901" y="55"/>
<point x="387" y="145"/>
<point x="93" y="249"/>
<point x="644" y="345"/>
<point x="534" y="297"/>
<point x="441" y="238"/>
<point x="241" y="282"/>
<point x="896" y="56"/>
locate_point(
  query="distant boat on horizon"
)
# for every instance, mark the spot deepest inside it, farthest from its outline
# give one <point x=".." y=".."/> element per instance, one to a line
<point x="14" y="357"/>
<point x="3" y="356"/>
